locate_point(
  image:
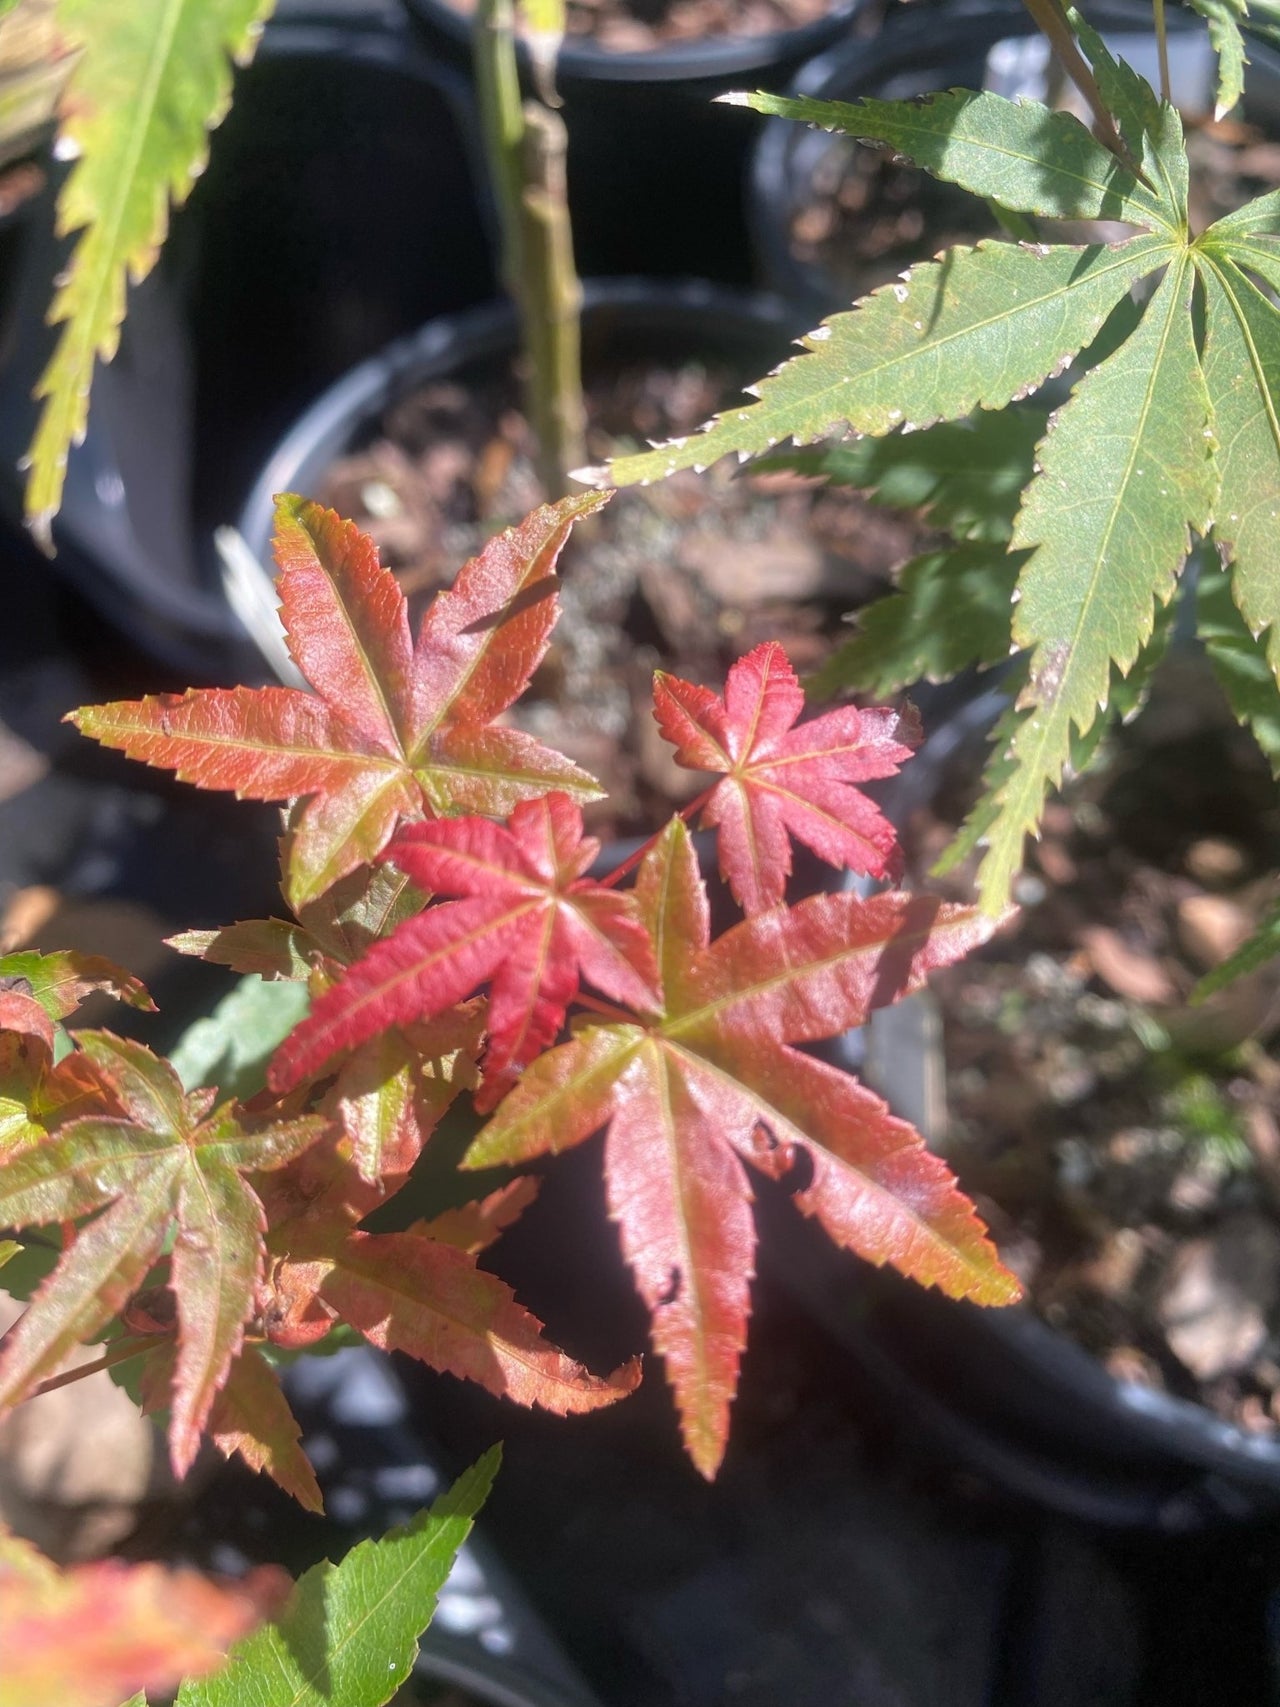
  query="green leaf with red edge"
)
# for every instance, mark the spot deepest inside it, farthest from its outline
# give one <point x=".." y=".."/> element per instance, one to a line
<point x="710" y="1081"/>
<point x="349" y="918"/>
<point x="170" y="1165"/>
<point x="394" y="730"/>
<point x="780" y="778"/>
<point x="61" y="981"/>
<point x="88" y="1635"/>
<point x="250" y="1415"/>
<point x="529" y="923"/>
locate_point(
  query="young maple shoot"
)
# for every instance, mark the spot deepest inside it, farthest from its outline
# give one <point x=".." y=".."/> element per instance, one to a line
<point x="1173" y="430"/>
<point x="450" y="937"/>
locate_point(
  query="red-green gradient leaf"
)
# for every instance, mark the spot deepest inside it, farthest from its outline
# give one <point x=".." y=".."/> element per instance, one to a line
<point x="683" y="1208"/>
<point x="251" y="1416"/>
<point x="686" y="1095"/>
<point x="427" y="1299"/>
<point x="392" y="731"/>
<point x="61" y="981"/>
<point x="875" y="1188"/>
<point x="346" y="621"/>
<point x="93" y="1634"/>
<point x="170" y="1170"/>
<point x="780" y="779"/>
<point x="473" y="1227"/>
<point x="820" y="967"/>
<point x="528" y="923"/>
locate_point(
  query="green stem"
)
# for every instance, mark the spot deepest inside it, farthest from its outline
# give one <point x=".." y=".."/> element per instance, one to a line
<point x="502" y="123"/>
<point x="1162" y="43"/>
<point x="551" y="303"/>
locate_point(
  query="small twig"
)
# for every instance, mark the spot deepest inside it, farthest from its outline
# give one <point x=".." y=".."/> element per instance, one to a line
<point x="120" y="1352"/>
<point x="1053" y="20"/>
<point x="633" y="859"/>
<point x="605" y="1009"/>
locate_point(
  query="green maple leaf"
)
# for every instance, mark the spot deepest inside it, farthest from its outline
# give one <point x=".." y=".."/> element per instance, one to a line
<point x="1170" y="434"/>
<point x="350" y="1632"/>
<point x="153" y="77"/>
<point x="171" y="1164"/>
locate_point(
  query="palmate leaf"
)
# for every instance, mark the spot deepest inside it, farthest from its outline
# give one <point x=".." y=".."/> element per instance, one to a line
<point x="89" y="1635"/>
<point x="1017" y="153"/>
<point x="974" y="330"/>
<point x="951" y="609"/>
<point x="152" y="78"/>
<point x="1127" y="471"/>
<point x="350" y="1631"/>
<point x="170" y="1164"/>
<point x="395" y="729"/>
<point x="710" y="1081"/>
<point x="965" y="476"/>
<point x="780" y="780"/>
<point x="419" y="1292"/>
<point x="529" y="921"/>
<point x="1239" y="662"/>
<point x="1242" y="372"/>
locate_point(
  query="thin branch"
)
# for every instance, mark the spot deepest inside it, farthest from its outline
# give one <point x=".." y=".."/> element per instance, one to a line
<point x="121" y="1351"/>
<point x="633" y="859"/>
<point x="1052" y="19"/>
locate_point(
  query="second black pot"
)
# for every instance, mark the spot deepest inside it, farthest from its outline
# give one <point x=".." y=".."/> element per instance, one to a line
<point x="657" y="173"/>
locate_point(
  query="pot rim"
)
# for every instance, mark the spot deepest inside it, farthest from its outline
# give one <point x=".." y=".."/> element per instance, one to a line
<point x="925" y="39"/>
<point x="711" y="59"/>
<point x="326" y="427"/>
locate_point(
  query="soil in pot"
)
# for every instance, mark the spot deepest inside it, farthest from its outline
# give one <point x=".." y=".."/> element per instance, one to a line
<point x="686" y="575"/>
<point x="1124" y="1145"/>
<point x="640" y="26"/>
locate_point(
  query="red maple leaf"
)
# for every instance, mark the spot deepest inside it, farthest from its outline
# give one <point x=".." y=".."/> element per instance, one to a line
<point x="167" y="1163"/>
<point x="711" y="1080"/>
<point x="393" y="730"/>
<point x="530" y="924"/>
<point x="780" y="777"/>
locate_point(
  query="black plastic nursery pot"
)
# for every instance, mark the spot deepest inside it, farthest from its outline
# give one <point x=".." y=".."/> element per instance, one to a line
<point x="999" y="1392"/>
<point x="342" y="206"/>
<point x="919" y="52"/>
<point x="657" y="173"/>
<point x="626" y="319"/>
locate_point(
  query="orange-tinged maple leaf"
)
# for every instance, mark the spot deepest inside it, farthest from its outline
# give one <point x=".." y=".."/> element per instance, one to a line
<point x="711" y="1080"/>
<point x="93" y="1634"/>
<point x="780" y="776"/>
<point x="170" y="1163"/>
<point x="394" y="730"/>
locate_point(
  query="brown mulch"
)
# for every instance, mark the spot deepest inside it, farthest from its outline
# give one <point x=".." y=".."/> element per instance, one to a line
<point x="1123" y="1143"/>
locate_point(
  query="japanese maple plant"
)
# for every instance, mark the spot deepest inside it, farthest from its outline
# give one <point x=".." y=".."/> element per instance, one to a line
<point x="447" y="914"/>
